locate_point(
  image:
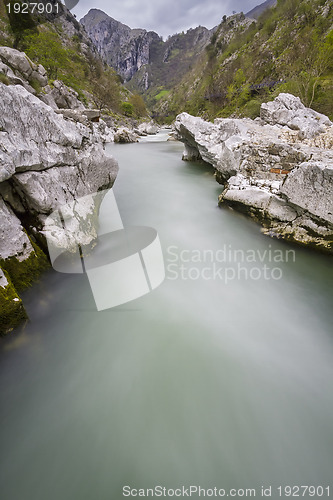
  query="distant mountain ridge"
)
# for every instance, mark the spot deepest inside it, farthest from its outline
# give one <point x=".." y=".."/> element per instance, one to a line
<point x="144" y="61"/>
<point x="259" y="9"/>
<point x="142" y="57"/>
<point x="124" y="49"/>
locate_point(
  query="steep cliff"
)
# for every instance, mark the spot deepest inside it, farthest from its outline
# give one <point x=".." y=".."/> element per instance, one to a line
<point x="124" y="49"/>
<point x="288" y="48"/>
<point x="150" y="65"/>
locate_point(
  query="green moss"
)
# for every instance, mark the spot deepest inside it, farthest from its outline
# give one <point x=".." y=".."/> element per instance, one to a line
<point x="4" y="79"/>
<point x="24" y="273"/>
<point x="11" y="307"/>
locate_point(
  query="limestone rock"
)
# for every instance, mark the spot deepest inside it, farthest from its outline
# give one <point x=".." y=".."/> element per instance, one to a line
<point x="125" y="135"/>
<point x="64" y="96"/>
<point x="22" y="66"/>
<point x="239" y="146"/>
<point x="280" y="172"/>
<point x="104" y="133"/>
<point x="50" y="189"/>
<point x="288" y="110"/>
<point x="47" y="162"/>
<point x="14" y="241"/>
<point x="148" y="128"/>
<point x="92" y="114"/>
<point x="310" y="186"/>
<point x="32" y="136"/>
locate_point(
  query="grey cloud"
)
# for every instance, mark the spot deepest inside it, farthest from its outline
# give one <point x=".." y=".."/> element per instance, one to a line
<point x="167" y="17"/>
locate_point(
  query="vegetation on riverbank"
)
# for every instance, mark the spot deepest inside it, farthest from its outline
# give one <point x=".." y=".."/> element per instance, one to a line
<point x="289" y="49"/>
<point x="19" y="276"/>
<point x="67" y="54"/>
<point x="11" y="306"/>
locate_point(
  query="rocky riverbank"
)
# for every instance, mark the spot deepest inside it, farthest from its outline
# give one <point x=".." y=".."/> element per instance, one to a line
<point x="278" y="169"/>
<point x="51" y="156"/>
<point x="48" y="159"/>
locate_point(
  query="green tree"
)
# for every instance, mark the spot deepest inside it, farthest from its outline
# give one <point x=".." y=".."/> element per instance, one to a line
<point x="20" y="23"/>
<point x="127" y="108"/>
<point x="139" y="107"/>
<point x="106" y="92"/>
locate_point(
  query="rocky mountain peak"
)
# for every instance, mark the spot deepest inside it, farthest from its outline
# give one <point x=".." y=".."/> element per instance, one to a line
<point x="259" y="9"/>
<point x="123" y="48"/>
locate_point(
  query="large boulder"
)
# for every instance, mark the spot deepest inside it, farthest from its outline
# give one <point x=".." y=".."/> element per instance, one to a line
<point x="239" y="146"/>
<point x="148" y="128"/>
<point x="125" y="135"/>
<point x="63" y="96"/>
<point x="47" y="160"/>
<point x="288" y="110"/>
<point x="14" y="240"/>
<point x="17" y="65"/>
<point x="310" y="186"/>
<point x="277" y="169"/>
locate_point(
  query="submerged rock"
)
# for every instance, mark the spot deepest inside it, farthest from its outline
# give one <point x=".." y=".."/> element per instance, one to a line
<point x="278" y="172"/>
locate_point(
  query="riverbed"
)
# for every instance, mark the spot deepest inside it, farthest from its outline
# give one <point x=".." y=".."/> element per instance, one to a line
<point x="220" y="377"/>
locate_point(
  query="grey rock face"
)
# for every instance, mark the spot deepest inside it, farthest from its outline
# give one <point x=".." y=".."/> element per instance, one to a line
<point x="32" y="136"/>
<point x="45" y="191"/>
<point x="64" y="97"/>
<point x="124" y="49"/>
<point x="20" y="66"/>
<point x="47" y="162"/>
<point x="288" y="110"/>
<point x="13" y="239"/>
<point x="50" y="159"/>
<point x="310" y="186"/>
<point x="268" y="171"/>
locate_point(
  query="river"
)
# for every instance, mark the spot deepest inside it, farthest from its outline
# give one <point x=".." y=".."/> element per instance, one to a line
<point x="220" y="377"/>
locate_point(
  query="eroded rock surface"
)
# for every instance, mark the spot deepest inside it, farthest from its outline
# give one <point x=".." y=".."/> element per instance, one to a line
<point x="47" y="162"/>
<point x="277" y="169"/>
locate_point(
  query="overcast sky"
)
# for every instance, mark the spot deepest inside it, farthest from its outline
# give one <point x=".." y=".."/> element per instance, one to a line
<point x="166" y="17"/>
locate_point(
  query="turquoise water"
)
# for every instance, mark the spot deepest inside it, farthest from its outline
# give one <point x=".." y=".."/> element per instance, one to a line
<point x="208" y="382"/>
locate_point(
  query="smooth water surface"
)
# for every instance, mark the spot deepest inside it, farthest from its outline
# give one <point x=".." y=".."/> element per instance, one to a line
<point x="200" y="382"/>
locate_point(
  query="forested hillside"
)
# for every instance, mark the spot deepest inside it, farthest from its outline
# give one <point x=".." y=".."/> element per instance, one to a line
<point x="62" y="46"/>
<point x="288" y="49"/>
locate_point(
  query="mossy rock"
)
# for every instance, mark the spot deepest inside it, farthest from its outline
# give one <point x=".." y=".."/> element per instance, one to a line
<point x="12" y="311"/>
<point x="24" y="273"/>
